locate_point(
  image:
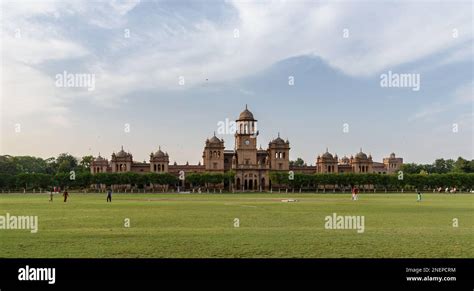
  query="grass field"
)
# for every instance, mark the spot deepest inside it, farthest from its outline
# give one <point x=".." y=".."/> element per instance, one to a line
<point x="202" y="225"/>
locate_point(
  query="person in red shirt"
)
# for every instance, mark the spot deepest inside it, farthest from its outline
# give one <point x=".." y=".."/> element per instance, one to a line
<point x="66" y="195"/>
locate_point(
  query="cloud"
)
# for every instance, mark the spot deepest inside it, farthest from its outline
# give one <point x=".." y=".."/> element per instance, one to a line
<point x="268" y="32"/>
<point x="28" y="43"/>
<point x="167" y="43"/>
<point x="465" y="94"/>
<point x="461" y="95"/>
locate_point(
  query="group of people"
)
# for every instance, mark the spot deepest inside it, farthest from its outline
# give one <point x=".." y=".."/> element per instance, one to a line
<point x="66" y="194"/>
<point x="453" y="190"/>
<point x="58" y="190"/>
<point x="355" y="194"/>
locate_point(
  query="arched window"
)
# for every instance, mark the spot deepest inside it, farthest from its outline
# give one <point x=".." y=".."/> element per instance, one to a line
<point x="163" y="167"/>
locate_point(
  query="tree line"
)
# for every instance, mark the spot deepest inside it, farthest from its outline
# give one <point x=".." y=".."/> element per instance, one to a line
<point x="372" y="181"/>
<point x="279" y="180"/>
<point x="33" y="173"/>
<point x="440" y="166"/>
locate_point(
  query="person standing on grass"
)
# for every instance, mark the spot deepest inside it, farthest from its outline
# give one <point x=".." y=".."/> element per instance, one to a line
<point x="353" y="192"/>
<point x="51" y="195"/>
<point x="66" y="195"/>
<point x="418" y="198"/>
<point x="356" y="193"/>
<point x="109" y="195"/>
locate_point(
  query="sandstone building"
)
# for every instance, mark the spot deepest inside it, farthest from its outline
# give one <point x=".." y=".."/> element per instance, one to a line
<point x="251" y="165"/>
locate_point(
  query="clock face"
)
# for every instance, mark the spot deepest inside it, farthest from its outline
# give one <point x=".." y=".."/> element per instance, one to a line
<point x="247" y="142"/>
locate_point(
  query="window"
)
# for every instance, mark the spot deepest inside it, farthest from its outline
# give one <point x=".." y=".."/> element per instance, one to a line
<point x="214" y="165"/>
<point x="280" y="166"/>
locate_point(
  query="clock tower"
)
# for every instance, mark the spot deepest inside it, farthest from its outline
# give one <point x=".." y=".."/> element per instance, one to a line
<point x="246" y="139"/>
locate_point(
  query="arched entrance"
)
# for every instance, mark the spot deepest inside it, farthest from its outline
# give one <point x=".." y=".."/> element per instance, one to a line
<point x="262" y="184"/>
<point x="250" y="184"/>
<point x="238" y="184"/>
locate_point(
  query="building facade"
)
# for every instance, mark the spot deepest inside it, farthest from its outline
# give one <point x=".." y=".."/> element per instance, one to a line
<point x="251" y="165"/>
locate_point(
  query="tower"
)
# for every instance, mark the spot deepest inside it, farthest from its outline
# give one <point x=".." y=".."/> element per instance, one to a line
<point x="361" y="163"/>
<point x="159" y="162"/>
<point x="122" y="161"/>
<point x="279" y="154"/>
<point x="213" y="155"/>
<point x="392" y="163"/>
<point x="327" y="163"/>
<point x="246" y="139"/>
<point x="99" y="165"/>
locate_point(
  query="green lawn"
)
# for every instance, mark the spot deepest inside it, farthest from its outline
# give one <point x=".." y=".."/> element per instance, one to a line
<point x="202" y="225"/>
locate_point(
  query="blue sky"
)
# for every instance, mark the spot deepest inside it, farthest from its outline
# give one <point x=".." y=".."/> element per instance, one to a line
<point x="336" y="52"/>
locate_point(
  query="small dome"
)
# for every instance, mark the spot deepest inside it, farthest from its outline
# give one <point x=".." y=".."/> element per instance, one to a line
<point x="361" y="155"/>
<point x="99" y="159"/>
<point x="246" y="115"/>
<point x="159" y="154"/>
<point x="345" y="160"/>
<point x="121" y="153"/>
<point x="278" y="140"/>
<point x="214" y="139"/>
<point x="327" y="155"/>
<point x="392" y="155"/>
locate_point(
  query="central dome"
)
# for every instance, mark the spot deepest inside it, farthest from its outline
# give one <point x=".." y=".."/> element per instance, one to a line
<point x="246" y="115"/>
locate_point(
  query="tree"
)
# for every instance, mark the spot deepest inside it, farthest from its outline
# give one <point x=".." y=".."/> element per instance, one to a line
<point x="7" y="181"/>
<point x="279" y="178"/>
<point x="411" y="168"/>
<point x="298" y="162"/>
<point x="85" y="163"/>
<point x="8" y="165"/>
<point x="66" y="163"/>
<point x="83" y="180"/>
<point x="462" y="166"/>
<point x="229" y="179"/>
<point x="442" y="166"/>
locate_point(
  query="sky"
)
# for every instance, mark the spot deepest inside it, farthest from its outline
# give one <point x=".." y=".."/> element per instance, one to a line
<point x="167" y="73"/>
